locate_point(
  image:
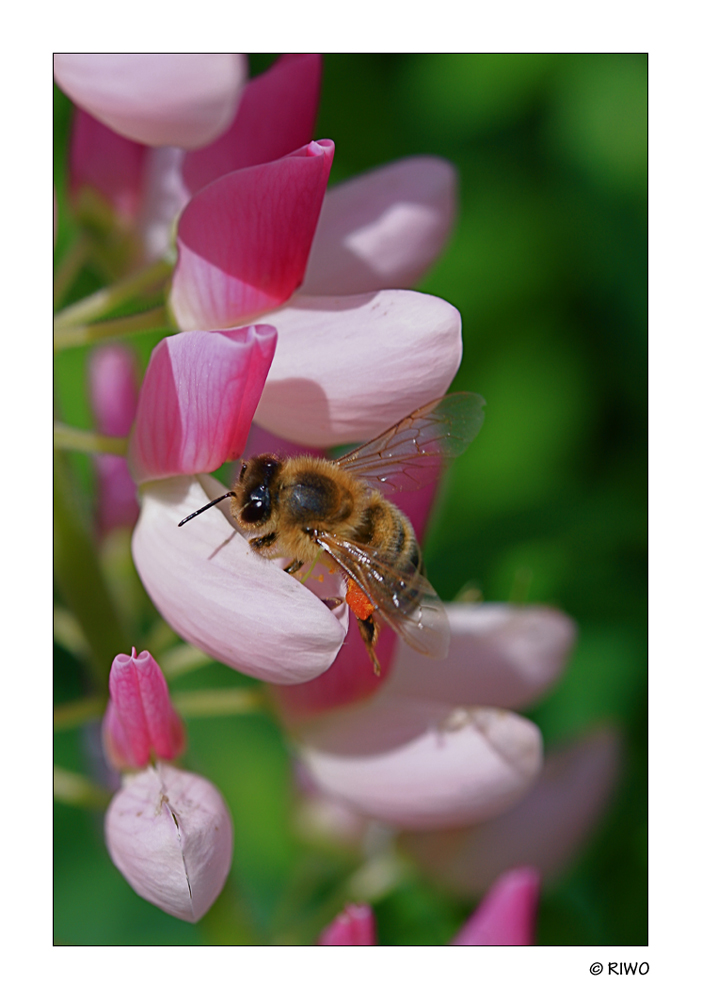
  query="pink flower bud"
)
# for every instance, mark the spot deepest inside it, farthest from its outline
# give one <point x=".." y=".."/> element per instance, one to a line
<point x="170" y="834"/>
<point x="355" y="925"/>
<point x="507" y="915"/>
<point x="140" y="720"/>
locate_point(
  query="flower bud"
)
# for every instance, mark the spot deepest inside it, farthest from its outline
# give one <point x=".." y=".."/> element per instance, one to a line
<point x="355" y="925"/>
<point x="170" y="835"/>
<point x="140" y="719"/>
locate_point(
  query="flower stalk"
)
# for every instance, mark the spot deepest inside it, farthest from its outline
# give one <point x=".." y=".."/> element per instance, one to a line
<point x="91" y="308"/>
<point x="76" y="439"/>
<point x="91" y="333"/>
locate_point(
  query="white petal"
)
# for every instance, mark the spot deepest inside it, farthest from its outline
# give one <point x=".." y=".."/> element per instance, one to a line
<point x="170" y="834"/>
<point x="419" y="766"/>
<point x="347" y="368"/>
<point x="382" y="229"/>
<point x="500" y="654"/>
<point x="222" y="597"/>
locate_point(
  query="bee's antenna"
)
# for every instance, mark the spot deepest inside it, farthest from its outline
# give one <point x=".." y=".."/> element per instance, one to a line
<point x="206" y="507"/>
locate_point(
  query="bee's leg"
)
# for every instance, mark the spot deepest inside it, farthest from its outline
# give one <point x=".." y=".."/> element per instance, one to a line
<point x="294" y="566"/>
<point x="263" y="541"/>
<point x="370" y="630"/>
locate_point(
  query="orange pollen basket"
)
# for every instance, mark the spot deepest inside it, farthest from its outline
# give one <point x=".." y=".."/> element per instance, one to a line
<point x="358" y="602"/>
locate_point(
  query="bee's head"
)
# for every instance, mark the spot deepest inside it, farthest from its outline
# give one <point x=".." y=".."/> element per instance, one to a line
<point x="253" y="490"/>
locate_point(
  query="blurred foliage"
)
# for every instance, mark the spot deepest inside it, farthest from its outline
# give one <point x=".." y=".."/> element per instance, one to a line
<point x="547" y="266"/>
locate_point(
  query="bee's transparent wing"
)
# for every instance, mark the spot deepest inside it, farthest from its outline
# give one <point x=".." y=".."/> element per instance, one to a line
<point x="411" y="454"/>
<point x="406" y="601"/>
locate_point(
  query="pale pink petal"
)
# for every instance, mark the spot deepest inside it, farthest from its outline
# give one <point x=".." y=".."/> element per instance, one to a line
<point x="276" y="115"/>
<point x="348" y="368"/>
<point x="244" y="240"/>
<point x="197" y="400"/>
<point x="382" y="229"/>
<point x="107" y="163"/>
<point x="545" y="830"/>
<point x="142" y="720"/>
<point x="416" y="766"/>
<point x="222" y="597"/>
<point x="114" y="388"/>
<point x="162" y="99"/>
<point x="507" y="915"/>
<point x="354" y="925"/>
<point x="170" y="835"/>
<point x="500" y="654"/>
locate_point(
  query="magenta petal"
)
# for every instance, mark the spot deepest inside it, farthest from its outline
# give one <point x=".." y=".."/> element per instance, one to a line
<point x="355" y="925"/>
<point x="243" y="241"/>
<point x="108" y="163"/>
<point x="161" y="99"/>
<point x="222" y="597"/>
<point x="500" y="654"/>
<point x="421" y="767"/>
<point x="199" y="395"/>
<point x="170" y="835"/>
<point x="507" y="915"/>
<point x="382" y="229"/>
<point x="275" y="116"/>
<point x="348" y="368"/>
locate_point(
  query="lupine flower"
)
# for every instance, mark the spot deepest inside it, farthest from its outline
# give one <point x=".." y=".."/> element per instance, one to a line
<point x="343" y="356"/>
<point x="506" y="916"/>
<point x="140" y="187"/>
<point x="167" y="831"/>
<point x="113" y="385"/>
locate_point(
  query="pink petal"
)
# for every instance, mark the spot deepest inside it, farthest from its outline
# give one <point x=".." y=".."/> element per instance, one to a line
<point x="348" y="368"/>
<point x="164" y="99"/>
<point x="170" y="835"/>
<point x="507" y="915"/>
<point x="276" y="115"/>
<point x="108" y="163"/>
<point x="142" y="720"/>
<point x="243" y="241"/>
<point x="500" y="654"/>
<point x="382" y="229"/>
<point x="218" y="594"/>
<point x="354" y="925"/>
<point x="414" y="766"/>
<point x="197" y="400"/>
<point x="545" y="830"/>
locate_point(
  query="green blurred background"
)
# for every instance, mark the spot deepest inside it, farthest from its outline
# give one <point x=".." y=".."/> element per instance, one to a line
<point x="548" y="267"/>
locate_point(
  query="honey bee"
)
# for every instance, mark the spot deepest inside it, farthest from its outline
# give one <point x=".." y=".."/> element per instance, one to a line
<point x="304" y="508"/>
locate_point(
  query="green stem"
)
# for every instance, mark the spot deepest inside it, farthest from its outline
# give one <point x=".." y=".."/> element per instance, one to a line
<point x="75" y="439"/>
<point x="69" y="268"/>
<point x="227" y="701"/>
<point x="94" y="306"/>
<point x="76" y="790"/>
<point x="90" y="333"/>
